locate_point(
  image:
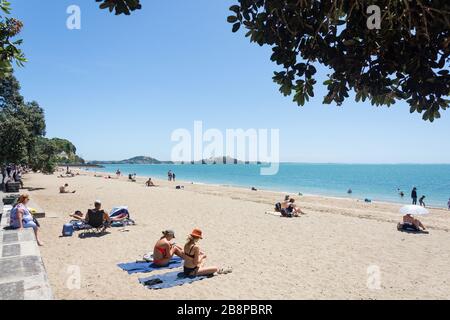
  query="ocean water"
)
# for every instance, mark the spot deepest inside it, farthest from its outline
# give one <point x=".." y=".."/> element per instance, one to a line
<point x="375" y="182"/>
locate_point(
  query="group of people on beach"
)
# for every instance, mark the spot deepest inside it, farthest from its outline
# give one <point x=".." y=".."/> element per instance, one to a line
<point x="12" y="173"/>
<point x="194" y="258"/>
<point x="288" y="208"/>
<point x="171" y="176"/>
<point x="414" y="198"/>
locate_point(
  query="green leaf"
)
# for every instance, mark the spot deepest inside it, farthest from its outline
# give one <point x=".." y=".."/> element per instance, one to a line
<point x="232" y="19"/>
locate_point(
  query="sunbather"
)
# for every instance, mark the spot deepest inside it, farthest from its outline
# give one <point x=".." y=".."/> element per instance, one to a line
<point x="411" y="223"/>
<point x="294" y="208"/>
<point x="62" y="189"/>
<point x="98" y="208"/>
<point x="282" y="205"/>
<point x="150" y="183"/>
<point x="78" y="215"/>
<point x="195" y="258"/>
<point x="21" y="217"/>
<point x="164" y="250"/>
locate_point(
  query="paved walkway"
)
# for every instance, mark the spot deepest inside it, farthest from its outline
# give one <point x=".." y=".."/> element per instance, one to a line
<point x="22" y="271"/>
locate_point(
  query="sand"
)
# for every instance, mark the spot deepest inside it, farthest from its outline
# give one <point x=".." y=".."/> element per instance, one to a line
<point x="331" y="253"/>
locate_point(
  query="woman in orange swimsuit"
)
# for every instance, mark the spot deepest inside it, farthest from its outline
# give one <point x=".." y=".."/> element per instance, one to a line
<point x="165" y="250"/>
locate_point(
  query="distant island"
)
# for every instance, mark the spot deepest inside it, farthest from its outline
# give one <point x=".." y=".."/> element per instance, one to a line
<point x="150" y="160"/>
<point x="134" y="160"/>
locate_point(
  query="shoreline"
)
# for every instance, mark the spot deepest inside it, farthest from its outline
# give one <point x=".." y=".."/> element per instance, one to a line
<point x="282" y="193"/>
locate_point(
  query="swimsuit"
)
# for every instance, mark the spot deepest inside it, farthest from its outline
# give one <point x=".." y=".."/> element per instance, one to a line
<point x="190" y="271"/>
<point x="164" y="254"/>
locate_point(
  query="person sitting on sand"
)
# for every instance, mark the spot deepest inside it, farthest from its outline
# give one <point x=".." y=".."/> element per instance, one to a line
<point x="294" y="208"/>
<point x="150" y="183"/>
<point x="21" y="217"/>
<point x="282" y="205"/>
<point x="164" y="250"/>
<point x="98" y="208"/>
<point x="62" y="189"/>
<point x="409" y="222"/>
<point x="195" y="258"/>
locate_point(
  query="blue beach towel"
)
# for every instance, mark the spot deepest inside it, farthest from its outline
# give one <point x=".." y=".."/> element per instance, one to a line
<point x="168" y="280"/>
<point x="146" y="267"/>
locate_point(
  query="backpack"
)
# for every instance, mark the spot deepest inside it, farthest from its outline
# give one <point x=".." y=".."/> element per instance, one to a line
<point x="67" y="230"/>
<point x="278" y="207"/>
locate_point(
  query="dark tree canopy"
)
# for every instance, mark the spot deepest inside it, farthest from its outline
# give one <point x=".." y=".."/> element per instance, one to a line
<point x="22" y="131"/>
<point x="406" y="59"/>
<point x="120" y="6"/>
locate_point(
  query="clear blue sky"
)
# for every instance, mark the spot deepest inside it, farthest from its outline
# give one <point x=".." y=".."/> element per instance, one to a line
<point x="119" y="87"/>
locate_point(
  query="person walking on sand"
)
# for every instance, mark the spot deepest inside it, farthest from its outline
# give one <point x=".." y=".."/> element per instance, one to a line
<point x="414" y="196"/>
<point x="195" y="258"/>
<point x="173" y="177"/>
<point x="421" y="201"/>
<point x="164" y="250"/>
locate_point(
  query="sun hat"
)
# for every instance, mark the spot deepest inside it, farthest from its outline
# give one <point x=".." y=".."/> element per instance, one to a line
<point x="197" y="233"/>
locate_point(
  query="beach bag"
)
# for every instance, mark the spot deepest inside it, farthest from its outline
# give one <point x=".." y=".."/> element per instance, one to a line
<point x="278" y="207"/>
<point x="67" y="230"/>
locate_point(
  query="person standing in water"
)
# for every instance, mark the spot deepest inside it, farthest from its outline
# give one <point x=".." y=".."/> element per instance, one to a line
<point x="421" y="201"/>
<point x="414" y="196"/>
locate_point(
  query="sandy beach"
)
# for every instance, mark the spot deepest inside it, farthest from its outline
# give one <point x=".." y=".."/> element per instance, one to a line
<point x="331" y="253"/>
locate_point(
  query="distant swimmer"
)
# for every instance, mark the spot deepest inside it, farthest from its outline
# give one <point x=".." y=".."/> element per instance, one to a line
<point x="350" y="191"/>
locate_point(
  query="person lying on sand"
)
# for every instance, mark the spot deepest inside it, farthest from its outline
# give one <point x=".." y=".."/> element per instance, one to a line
<point x="411" y="223"/>
<point x="195" y="258"/>
<point x="62" y="189"/>
<point x="150" y="183"/>
<point x="78" y="215"/>
<point x="164" y="250"/>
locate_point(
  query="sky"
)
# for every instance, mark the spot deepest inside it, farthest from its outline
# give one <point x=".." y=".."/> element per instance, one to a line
<point x="120" y="86"/>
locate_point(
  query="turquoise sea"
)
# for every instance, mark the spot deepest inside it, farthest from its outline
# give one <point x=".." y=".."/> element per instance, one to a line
<point x="376" y="182"/>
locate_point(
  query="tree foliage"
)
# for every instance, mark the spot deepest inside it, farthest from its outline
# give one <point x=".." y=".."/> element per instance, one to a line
<point x="120" y="6"/>
<point x="406" y="59"/>
<point x="9" y="48"/>
<point x="22" y="131"/>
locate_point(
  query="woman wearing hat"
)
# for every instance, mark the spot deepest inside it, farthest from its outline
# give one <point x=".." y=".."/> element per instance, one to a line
<point x="195" y="258"/>
<point x="21" y="217"/>
<point x="165" y="250"/>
